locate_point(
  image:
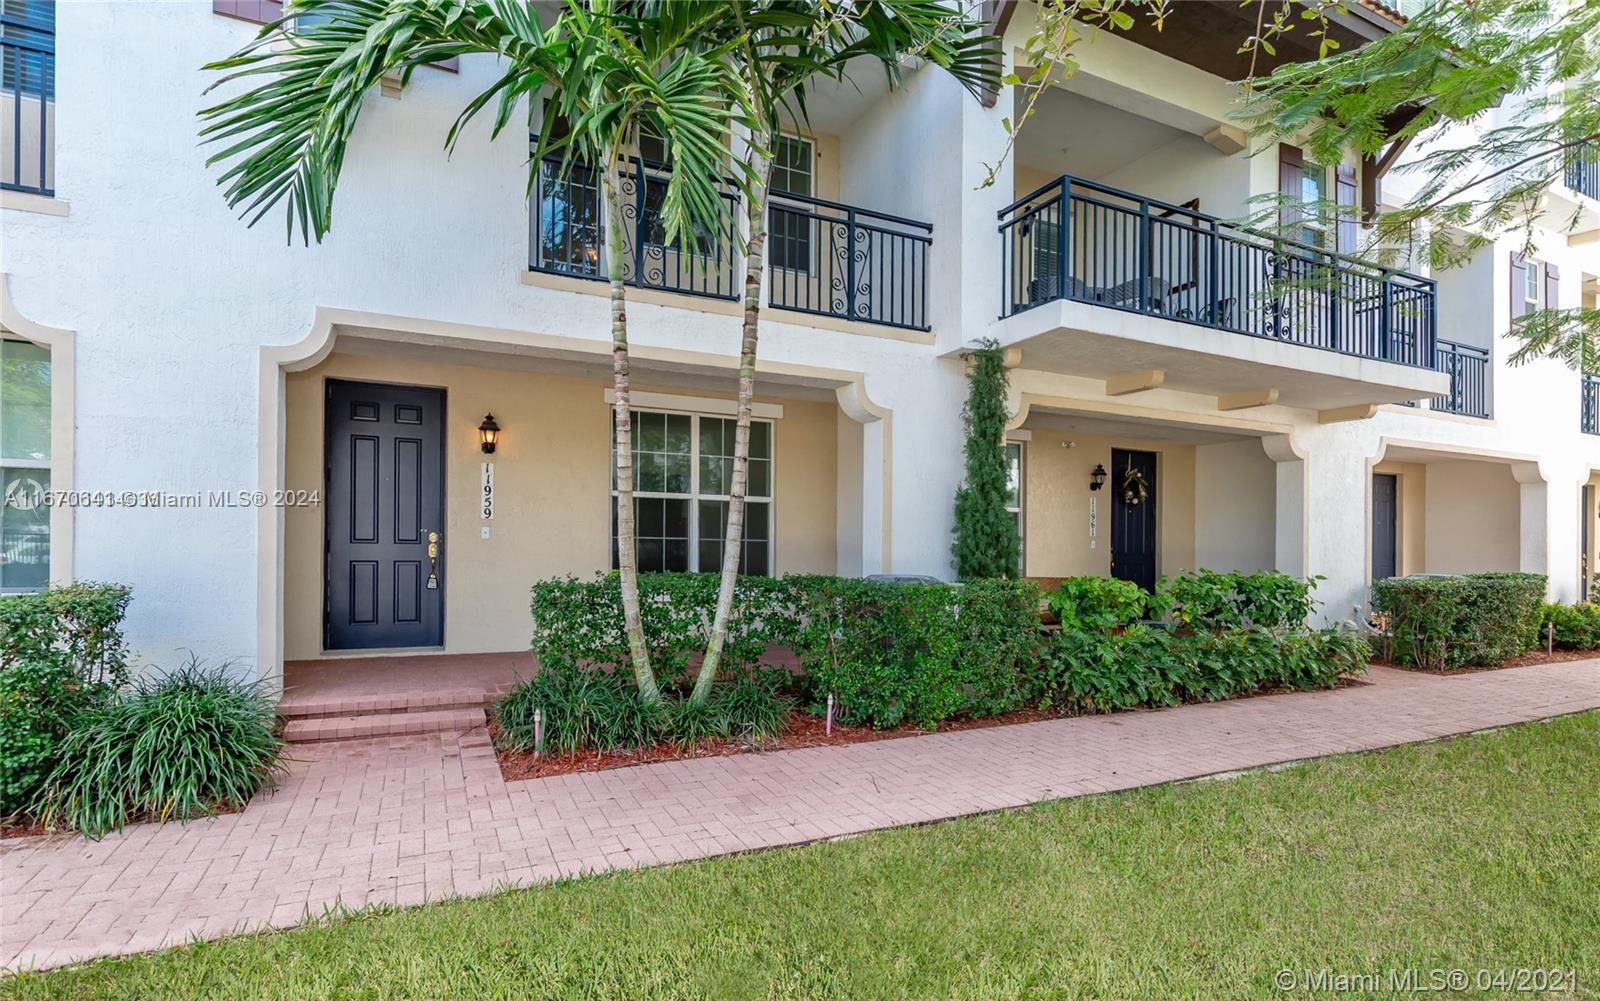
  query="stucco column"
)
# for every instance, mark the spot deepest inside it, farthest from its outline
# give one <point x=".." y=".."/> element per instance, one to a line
<point x="1322" y="497"/>
<point x="1548" y="537"/>
<point x="1289" y="543"/>
<point x="863" y="483"/>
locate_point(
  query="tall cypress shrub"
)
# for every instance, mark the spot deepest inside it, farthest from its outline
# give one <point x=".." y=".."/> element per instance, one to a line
<point x="986" y="543"/>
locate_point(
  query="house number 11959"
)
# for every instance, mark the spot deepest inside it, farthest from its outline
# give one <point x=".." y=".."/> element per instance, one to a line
<point x="486" y="497"/>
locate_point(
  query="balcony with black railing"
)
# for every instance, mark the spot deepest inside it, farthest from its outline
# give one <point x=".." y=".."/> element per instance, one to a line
<point x="1076" y="242"/>
<point x="1590" y="419"/>
<point x="824" y="258"/>
<point x="1583" y="170"/>
<point x="1468" y="368"/>
<point x="28" y="98"/>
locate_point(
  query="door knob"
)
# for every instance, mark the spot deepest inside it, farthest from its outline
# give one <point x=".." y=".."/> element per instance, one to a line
<point x="433" y="561"/>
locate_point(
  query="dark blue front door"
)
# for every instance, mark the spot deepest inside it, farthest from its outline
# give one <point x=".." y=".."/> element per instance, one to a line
<point x="1133" y="517"/>
<point x="1385" y="507"/>
<point x="384" y="507"/>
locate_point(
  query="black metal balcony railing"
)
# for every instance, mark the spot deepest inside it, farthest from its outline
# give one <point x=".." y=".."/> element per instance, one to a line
<point x="1590" y="421"/>
<point x="1074" y="239"/>
<point x="569" y="232"/>
<point x="837" y="260"/>
<point x="823" y="258"/>
<point x="1468" y="368"/>
<point x="28" y="93"/>
<point x="1583" y="170"/>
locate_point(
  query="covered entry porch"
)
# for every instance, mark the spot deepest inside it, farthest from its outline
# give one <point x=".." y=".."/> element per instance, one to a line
<point x="1440" y="510"/>
<point x="472" y="532"/>
<point x="1108" y="489"/>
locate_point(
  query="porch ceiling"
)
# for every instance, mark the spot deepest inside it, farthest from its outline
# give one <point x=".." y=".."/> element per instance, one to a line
<point x="1090" y="424"/>
<point x="527" y="358"/>
<point x="1424" y="454"/>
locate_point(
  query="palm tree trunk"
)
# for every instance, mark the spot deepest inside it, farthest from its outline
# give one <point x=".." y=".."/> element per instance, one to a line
<point x="733" y="541"/>
<point x="627" y="546"/>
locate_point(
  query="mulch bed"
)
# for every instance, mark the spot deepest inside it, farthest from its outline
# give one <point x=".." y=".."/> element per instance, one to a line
<point x="21" y="830"/>
<point x="1531" y="659"/>
<point x="803" y="730"/>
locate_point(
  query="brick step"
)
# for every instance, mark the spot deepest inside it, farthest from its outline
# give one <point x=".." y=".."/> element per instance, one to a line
<point x="313" y="729"/>
<point x="366" y="705"/>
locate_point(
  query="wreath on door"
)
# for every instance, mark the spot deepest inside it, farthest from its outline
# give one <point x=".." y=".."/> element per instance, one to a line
<point x="1135" y="489"/>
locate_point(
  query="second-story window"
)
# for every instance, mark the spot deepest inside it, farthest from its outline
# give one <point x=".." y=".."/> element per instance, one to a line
<point x="1530" y="285"/>
<point x="793" y="173"/>
<point x="28" y="92"/>
<point x="1313" y="193"/>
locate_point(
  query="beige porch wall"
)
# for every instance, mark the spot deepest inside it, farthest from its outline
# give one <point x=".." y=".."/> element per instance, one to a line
<point x="552" y="504"/>
<point x="1056" y="504"/>
<point x="1474" y="518"/>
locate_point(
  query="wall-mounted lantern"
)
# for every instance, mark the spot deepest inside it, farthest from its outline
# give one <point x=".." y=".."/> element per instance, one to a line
<point x="1097" y="479"/>
<point x="488" y="434"/>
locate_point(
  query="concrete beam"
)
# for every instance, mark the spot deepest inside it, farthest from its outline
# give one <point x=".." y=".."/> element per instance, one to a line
<point x="1246" y="398"/>
<point x="1359" y="412"/>
<point x="1584" y="238"/>
<point x="1227" y="139"/>
<point x="1124" y="383"/>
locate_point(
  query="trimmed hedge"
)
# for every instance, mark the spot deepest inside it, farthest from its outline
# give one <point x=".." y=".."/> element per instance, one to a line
<point x="61" y="652"/>
<point x="1208" y="600"/>
<point x="1145" y="667"/>
<point x="890" y="653"/>
<point x="1450" y="622"/>
<point x="578" y="623"/>
<point x="1575" y="627"/>
<point x="79" y="625"/>
<point x="919" y="653"/>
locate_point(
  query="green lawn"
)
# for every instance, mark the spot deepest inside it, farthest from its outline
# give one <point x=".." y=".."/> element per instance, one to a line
<point x="1481" y="851"/>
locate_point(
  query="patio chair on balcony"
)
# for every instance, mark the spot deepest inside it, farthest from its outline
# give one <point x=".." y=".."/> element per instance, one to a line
<point x="1216" y="314"/>
<point x="1046" y="287"/>
<point x="1145" y="294"/>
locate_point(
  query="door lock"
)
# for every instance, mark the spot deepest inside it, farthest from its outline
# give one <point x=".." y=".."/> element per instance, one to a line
<point x="433" y="561"/>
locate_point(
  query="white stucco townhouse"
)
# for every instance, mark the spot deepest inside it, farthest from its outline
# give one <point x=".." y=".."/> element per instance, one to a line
<point x="168" y="369"/>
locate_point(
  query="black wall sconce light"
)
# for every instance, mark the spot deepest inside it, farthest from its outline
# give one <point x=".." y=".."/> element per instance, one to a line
<point x="488" y="434"/>
<point x="1097" y="479"/>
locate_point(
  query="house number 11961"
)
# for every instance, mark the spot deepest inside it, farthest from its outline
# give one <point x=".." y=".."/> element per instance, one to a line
<point x="486" y="498"/>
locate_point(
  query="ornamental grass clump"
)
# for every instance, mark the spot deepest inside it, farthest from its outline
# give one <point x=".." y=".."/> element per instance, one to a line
<point x="176" y="747"/>
<point x="584" y="710"/>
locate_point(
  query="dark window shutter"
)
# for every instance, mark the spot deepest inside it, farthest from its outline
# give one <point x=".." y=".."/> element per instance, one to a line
<point x="1519" y="285"/>
<point x="1291" y="172"/>
<point x="1552" y="287"/>
<point x="259" y="11"/>
<point x="1344" y="192"/>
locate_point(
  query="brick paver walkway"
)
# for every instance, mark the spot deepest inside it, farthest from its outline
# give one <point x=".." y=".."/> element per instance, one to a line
<point x="404" y="819"/>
